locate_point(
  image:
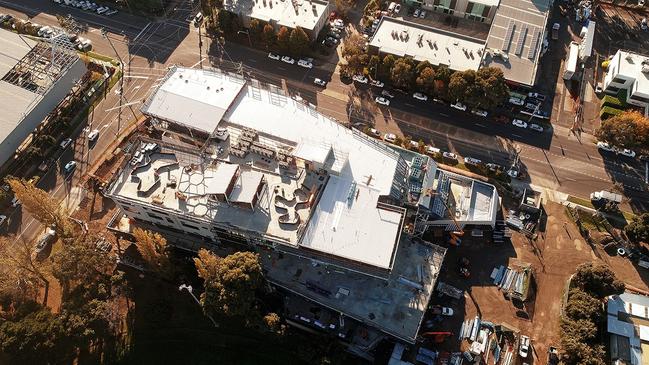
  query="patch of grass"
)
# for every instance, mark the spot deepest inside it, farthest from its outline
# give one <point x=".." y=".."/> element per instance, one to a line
<point x="102" y="57"/>
<point x="580" y="201"/>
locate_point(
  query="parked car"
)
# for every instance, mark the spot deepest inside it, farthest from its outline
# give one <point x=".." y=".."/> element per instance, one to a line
<point x="494" y="167"/>
<point x="93" y="135"/>
<point x="15" y="202"/>
<point x="390" y="137"/>
<point x="3" y="218"/>
<point x="416" y="13"/>
<point x="438" y="309"/>
<point x="381" y="100"/>
<point x="480" y="112"/>
<point x="422" y="14"/>
<point x="627" y="152"/>
<point x="332" y="40"/>
<point x="374" y="132"/>
<point x="519" y="123"/>
<point x="273" y="56"/>
<point x="305" y="64"/>
<point x="536" y="127"/>
<point x="65" y="143"/>
<point x="397" y="8"/>
<point x="450" y="155"/>
<point x="420" y="96"/>
<point x="360" y="79"/>
<point x="111" y="12"/>
<point x="377" y="83"/>
<point x="524" y="347"/>
<point x="472" y="161"/>
<point x="536" y="96"/>
<point x="69" y="167"/>
<point x="516" y="101"/>
<point x="387" y="93"/>
<point x="44" y="242"/>
<point x="288" y="60"/>
<point x="459" y="106"/>
<point x="338" y="23"/>
<point x="319" y="82"/>
<point x="605" y="146"/>
<point x="432" y="150"/>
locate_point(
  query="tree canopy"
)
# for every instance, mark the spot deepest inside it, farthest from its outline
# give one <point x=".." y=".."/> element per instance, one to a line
<point x="629" y="129"/>
<point x="402" y="73"/>
<point x="231" y="283"/>
<point x="154" y="250"/>
<point x="597" y="280"/>
<point x="638" y="229"/>
<point x="298" y="42"/>
<point x="268" y="35"/>
<point x="354" y="53"/>
<point x="426" y="80"/>
<point x="485" y="88"/>
<point x="283" y="39"/>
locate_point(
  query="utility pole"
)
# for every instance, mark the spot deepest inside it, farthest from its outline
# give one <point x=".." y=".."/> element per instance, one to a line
<point x="190" y="290"/>
<point x="121" y="80"/>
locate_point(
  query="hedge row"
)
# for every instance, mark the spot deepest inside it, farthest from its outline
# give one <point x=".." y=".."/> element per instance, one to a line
<point x="608" y="112"/>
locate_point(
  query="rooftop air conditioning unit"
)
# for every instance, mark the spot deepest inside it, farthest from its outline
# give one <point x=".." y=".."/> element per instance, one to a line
<point x="645" y="68"/>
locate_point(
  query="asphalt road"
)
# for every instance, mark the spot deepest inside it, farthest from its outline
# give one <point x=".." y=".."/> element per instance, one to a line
<point x="554" y="159"/>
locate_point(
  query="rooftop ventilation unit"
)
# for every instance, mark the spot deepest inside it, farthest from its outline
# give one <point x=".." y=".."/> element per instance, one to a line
<point x="645" y="69"/>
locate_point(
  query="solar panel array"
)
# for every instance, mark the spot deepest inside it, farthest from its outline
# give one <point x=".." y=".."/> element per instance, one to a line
<point x="536" y="38"/>
<point x="508" y="35"/>
<point x="521" y="40"/>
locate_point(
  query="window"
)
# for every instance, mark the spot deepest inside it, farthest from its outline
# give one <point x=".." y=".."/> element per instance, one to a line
<point x="618" y="80"/>
<point x="612" y="88"/>
<point x="640" y="99"/>
<point x="190" y="226"/>
<point x="155" y="216"/>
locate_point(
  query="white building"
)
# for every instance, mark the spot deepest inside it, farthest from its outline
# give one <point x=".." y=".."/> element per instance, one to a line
<point x="311" y="195"/>
<point x="628" y="327"/>
<point x="34" y="78"/>
<point x="478" y="10"/>
<point x="629" y="71"/>
<point x="310" y="15"/>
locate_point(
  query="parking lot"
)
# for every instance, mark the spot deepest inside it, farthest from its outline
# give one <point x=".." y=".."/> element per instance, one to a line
<point x="553" y="256"/>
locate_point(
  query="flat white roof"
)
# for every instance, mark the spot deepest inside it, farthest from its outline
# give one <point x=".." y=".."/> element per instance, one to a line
<point x="347" y="223"/>
<point x="246" y="186"/>
<point x="487" y="2"/>
<point x="310" y="151"/>
<point x="222" y="178"/>
<point x="13" y="48"/>
<point x="518" y="29"/>
<point x="439" y="47"/>
<point x="630" y="65"/>
<point x="290" y="14"/>
<point x="481" y="207"/>
<point x="194" y="98"/>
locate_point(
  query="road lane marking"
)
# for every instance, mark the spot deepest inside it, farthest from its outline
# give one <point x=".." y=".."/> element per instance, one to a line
<point x="410" y="105"/>
<point x="481" y="125"/>
<point x="281" y="68"/>
<point x="251" y="60"/>
<point x="142" y="31"/>
<point x="516" y="135"/>
<point x="197" y="63"/>
<point x="443" y="114"/>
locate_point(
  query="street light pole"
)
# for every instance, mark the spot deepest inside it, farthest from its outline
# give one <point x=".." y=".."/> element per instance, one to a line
<point x="190" y="290"/>
<point x="121" y="80"/>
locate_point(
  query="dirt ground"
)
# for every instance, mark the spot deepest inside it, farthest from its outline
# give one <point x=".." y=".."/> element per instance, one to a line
<point x="554" y="256"/>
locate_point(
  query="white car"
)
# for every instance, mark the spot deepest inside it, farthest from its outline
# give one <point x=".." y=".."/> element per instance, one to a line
<point x="494" y="166"/>
<point x="536" y="127"/>
<point x="360" y="79"/>
<point x="69" y="167"/>
<point x="537" y="96"/>
<point x="432" y="150"/>
<point x="15" y="202"/>
<point x="288" y="60"/>
<point x="273" y="56"/>
<point x="3" y="218"/>
<point x="516" y="101"/>
<point x="375" y="132"/>
<point x="397" y="8"/>
<point x="111" y="12"/>
<point x="92" y="136"/>
<point x="305" y="64"/>
<point x="605" y="146"/>
<point x="102" y="10"/>
<point x="377" y="83"/>
<point x="450" y="155"/>
<point x="320" y="82"/>
<point x="519" y="123"/>
<point x="416" y="13"/>
<point x="420" y="96"/>
<point x="459" y="106"/>
<point x="66" y="142"/>
<point x="480" y="112"/>
<point x="381" y="100"/>
<point x="627" y="152"/>
<point x="446" y="311"/>
<point x="422" y="14"/>
<point x="338" y="23"/>
<point x="472" y="161"/>
<point x="390" y="137"/>
<point x="387" y="93"/>
<point x="524" y="347"/>
<point x="414" y="144"/>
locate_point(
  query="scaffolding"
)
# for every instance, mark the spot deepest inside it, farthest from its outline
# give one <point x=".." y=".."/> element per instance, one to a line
<point x="42" y="66"/>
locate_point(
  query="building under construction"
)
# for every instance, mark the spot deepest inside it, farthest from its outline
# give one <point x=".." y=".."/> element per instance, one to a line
<point x="35" y="76"/>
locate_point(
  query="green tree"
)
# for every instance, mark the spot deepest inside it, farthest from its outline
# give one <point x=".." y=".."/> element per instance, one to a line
<point x="494" y="87"/>
<point x="421" y="66"/>
<point x="283" y="39"/>
<point x="154" y="250"/>
<point x="442" y="78"/>
<point x="227" y="22"/>
<point x="629" y="129"/>
<point x="402" y="73"/>
<point x="458" y="85"/>
<point x="426" y="80"/>
<point x="638" y="229"/>
<point x="354" y="54"/>
<point x="274" y="324"/>
<point x="298" y="42"/>
<point x="42" y="207"/>
<point x="582" y="305"/>
<point x="597" y="279"/>
<point x="35" y="337"/>
<point x="255" y="29"/>
<point x="385" y="68"/>
<point x="22" y="275"/>
<point x="578" y="342"/>
<point x="371" y="8"/>
<point x="343" y="7"/>
<point x="231" y="284"/>
<point x="373" y="65"/>
<point x="268" y="35"/>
